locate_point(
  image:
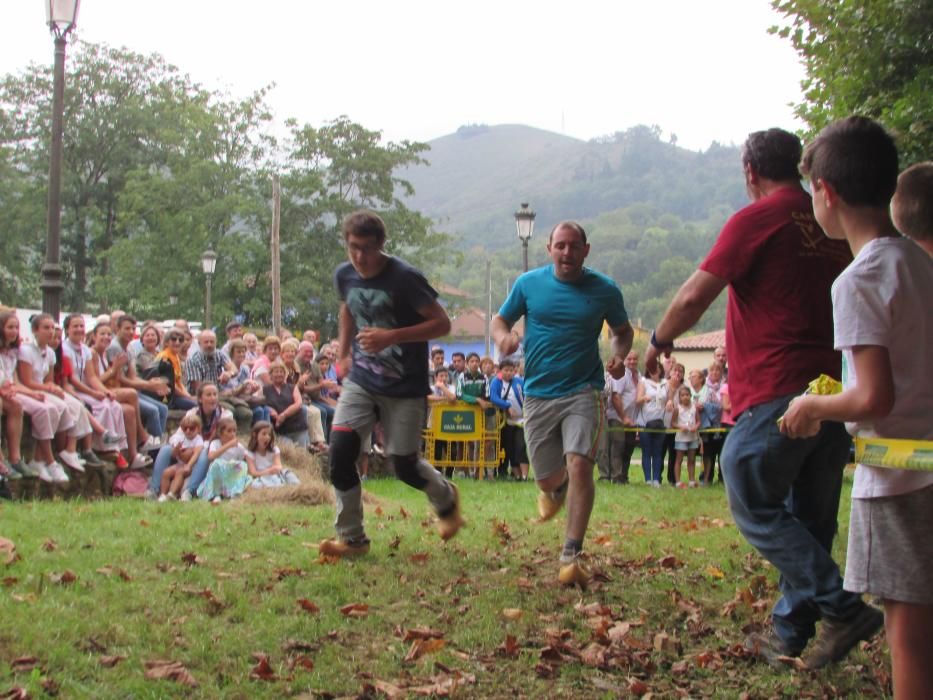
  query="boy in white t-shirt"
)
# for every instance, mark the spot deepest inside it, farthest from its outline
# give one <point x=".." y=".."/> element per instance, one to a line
<point x="884" y="326"/>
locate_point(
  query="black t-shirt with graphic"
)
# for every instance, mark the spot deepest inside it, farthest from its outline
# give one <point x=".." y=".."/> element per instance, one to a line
<point x="389" y="300"/>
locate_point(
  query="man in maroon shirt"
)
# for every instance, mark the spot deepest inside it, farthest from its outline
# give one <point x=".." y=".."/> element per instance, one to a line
<point x="784" y="494"/>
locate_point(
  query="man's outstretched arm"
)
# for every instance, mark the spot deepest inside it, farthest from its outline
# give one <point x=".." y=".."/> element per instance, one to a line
<point x="688" y="306"/>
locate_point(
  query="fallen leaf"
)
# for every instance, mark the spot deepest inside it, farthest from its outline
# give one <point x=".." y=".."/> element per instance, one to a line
<point x="301" y="661"/>
<point x="7" y="547"/>
<point x="404" y="513"/>
<point x="144" y="523"/>
<point x="378" y="511"/>
<point x="110" y="661"/>
<point x="293" y="645"/>
<point x="390" y="690"/>
<point x="287" y="571"/>
<point x="419" y="557"/>
<point x="547" y="671"/>
<point x="15" y="693"/>
<point x="501" y="530"/>
<point x="637" y="686"/>
<point x="714" y="572"/>
<point x="285" y="531"/>
<point x="10" y="581"/>
<point x="50" y="686"/>
<point x="50" y="545"/>
<point x="669" y="562"/>
<point x="355" y="610"/>
<point x="509" y="647"/>
<point x="65" y="578"/>
<point x="396" y="541"/>
<point x="421" y="633"/>
<point x="24" y="664"/>
<point x="512" y="613"/>
<point x="594" y="655"/>
<point x="170" y="670"/>
<point x="262" y="671"/>
<point x="420" y="647"/>
<point x="191" y="559"/>
<point x="308" y="606"/>
<point x="104" y="570"/>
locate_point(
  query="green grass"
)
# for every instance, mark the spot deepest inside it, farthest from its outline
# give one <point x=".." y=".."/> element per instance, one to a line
<point x="256" y="561"/>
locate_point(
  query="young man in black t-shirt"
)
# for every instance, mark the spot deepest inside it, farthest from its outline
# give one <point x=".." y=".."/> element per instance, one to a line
<point x="387" y="315"/>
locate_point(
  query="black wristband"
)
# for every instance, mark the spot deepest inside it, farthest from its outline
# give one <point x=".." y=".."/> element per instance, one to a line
<point x="663" y="347"/>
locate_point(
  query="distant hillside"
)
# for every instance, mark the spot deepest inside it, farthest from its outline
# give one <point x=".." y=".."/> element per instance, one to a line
<point x="479" y="175"/>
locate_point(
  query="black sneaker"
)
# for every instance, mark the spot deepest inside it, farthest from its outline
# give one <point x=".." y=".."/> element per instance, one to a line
<point x="836" y="637"/>
<point x="769" y="647"/>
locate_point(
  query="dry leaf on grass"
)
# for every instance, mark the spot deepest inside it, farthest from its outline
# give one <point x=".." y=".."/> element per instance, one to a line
<point x="390" y="690"/>
<point x="421" y="633"/>
<point x="512" y="613"/>
<point x="509" y="647"/>
<point x="65" y="578"/>
<point x="24" y="664"/>
<point x="9" y="581"/>
<point x="501" y="530"/>
<point x="308" y="606"/>
<point x="420" y="647"/>
<point x="301" y="661"/>
<point x="294" y="645"/>
<point x="15" y="693"/>
<point x="50" y="545"/>
<point x="159" y="670"/>
<point x="396" y="541"/>
<point x="355" y="610"/>
<point x="110" y="661"/>
<point x="9" y="550"/>
<point x="715" y="572"/>
<point x="191" y="559"/>
<point x="404" y="513"/>
<point x="262" y="671"/>
<point x="287" y="571"/>
<point x="419" y="557"/>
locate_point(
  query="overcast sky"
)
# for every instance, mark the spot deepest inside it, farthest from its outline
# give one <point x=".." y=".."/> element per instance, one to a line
<point x="419" y="69"/>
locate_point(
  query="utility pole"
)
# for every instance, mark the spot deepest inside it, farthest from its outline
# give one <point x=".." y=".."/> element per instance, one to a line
<point x="276" y="289"/>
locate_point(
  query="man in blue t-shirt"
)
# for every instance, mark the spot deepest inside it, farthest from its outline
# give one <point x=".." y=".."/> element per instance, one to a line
<point x="565" y="305"/>
<point x="387" y="315"/>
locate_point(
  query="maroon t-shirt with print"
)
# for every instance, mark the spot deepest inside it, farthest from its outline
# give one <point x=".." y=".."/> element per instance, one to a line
<point x="780" y="267"/>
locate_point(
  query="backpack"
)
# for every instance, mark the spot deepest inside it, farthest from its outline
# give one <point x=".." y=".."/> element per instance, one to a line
<point x="130" y="483"/>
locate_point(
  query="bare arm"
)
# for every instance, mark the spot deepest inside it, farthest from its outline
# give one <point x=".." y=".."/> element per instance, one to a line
<point x="622" y="337"/>
<point x="691" y="301"/>
<point x="345" y="330"/>
<point x="503" y="336"/>
<point x="872" y="396"/>
<point x="26" y="378"/>
<point x="435" y="324"/>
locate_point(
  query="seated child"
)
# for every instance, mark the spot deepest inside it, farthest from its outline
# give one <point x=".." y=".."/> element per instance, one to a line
<point x="228" y="474"/>
<point x="186" y="448"/>
<point x="912" y="204"/>
<point x="265" y="461"/>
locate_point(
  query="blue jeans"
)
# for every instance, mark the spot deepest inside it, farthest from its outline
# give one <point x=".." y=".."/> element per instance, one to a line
<point x="153" y="413"/>
<point x="261" y="413"/>
<point x="652" y="455"/>
<point x="181" y="403"/>
<point x="163" y="460"/>
<point x="784" y="497"/>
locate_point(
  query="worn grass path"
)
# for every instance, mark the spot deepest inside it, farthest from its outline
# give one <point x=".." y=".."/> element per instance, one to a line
<point x="236" y="597"/>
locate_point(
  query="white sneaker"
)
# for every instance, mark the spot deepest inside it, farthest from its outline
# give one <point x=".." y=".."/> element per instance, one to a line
<point x="163" y="498"/>
<point x="31" y="469"/>
<point x="140" y="461"/>
<point x="43" y="472"/>
<point x="185" y="495"/>
<point x="153" y="443"/>
<point x="71" y="459"/>
<point x="58" y="473"/>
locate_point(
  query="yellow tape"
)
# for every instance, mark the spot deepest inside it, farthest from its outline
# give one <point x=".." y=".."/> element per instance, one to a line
<point x="895" y="454"/>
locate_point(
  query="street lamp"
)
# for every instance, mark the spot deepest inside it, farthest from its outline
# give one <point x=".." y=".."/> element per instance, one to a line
<point x="208" y="263"/>
<point x="61" y="16"/>
<point x="525" y="224"/>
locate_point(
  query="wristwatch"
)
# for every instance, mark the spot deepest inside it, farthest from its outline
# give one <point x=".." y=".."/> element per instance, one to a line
<point x="661" y="347"/>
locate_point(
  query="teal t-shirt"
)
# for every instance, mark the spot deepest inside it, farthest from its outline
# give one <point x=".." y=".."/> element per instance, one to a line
<point x="563" y="321"/>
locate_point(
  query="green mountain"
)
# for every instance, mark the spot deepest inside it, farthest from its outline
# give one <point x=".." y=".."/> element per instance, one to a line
<point x="477" y="177"/>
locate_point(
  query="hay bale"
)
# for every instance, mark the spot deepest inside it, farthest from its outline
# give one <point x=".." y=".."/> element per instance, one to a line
<point x="314" y="489"/>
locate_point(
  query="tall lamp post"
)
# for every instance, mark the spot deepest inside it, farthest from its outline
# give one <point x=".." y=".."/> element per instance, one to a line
<point x="208" y="263"/>
<point x="525" y="223"/>
<point x="61" y="16"/>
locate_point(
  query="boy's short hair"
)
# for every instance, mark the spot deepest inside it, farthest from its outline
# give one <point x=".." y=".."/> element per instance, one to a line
<point x="365" y="223"/>
<point x="440" y="370"/>
<point x="472" y="355"/>
<point x="457" y="354"/>
<point x="858" y="158"/>
<point x="506" y="362"/>
<point x="912" y="205"/>
<point x="126" y="318"/>
<point x="773" y="154"/>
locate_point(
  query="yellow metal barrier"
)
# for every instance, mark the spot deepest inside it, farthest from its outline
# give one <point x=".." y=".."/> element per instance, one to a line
<point x="461" y="435"/>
